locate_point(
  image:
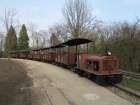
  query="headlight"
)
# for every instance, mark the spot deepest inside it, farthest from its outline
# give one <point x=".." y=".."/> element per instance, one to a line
<point x="108" y="53"/>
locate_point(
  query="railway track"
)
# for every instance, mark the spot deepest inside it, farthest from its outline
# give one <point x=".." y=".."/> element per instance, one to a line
<point x="130" y="74"/>
<point x="125" y="89"/>
<point x="126" y="93"/>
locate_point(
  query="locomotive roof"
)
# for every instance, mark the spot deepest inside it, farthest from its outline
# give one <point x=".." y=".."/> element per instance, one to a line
<point x="77" y="41"/>
<point x="95" y="57"/>
<point x="102" y="57"/>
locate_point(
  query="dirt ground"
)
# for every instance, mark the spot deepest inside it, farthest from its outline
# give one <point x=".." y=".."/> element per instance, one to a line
<point x="26" y="82"/>
<point x="12" y="78"/>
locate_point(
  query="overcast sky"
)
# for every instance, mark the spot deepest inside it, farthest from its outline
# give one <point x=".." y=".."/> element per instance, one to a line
<point x="48" y="12"/>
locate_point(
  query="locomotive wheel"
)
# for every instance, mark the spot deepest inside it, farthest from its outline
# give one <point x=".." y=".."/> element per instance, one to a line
<point x="80" y="73"/>
<point x="89" y="75"/>
<point x="93" y="77"/>
<point x="85" y="74"/>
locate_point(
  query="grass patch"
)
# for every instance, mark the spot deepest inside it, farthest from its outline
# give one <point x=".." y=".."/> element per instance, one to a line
<point x="131" y="83"/>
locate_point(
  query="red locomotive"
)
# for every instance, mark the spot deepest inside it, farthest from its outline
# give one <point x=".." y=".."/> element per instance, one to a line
<point x="102" y="69"/>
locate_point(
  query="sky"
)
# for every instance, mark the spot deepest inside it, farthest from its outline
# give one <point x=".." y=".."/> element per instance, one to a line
<point x="46" y="13"/>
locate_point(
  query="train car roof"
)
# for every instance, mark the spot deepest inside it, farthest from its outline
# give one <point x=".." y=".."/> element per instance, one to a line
<point x="44" y="48"/>
<point x="58" y="46"/>
<point x="72" y="42"/>
<point x="40" y="49"/>
<point x="23" y="50"/>
<point x="77" y="41"/>
<point x="35" y="49"/>
<point x="14" y="51"/>
<point x="20" y="51"/>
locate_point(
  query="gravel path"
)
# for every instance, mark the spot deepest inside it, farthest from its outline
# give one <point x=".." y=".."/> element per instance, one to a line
<point x="53" y="85"/>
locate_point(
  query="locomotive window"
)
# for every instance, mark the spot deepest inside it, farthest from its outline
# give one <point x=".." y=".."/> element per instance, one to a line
<point x="109" y="65"/>
<point x="95" y="65"/>
<point x="89" y="64"/>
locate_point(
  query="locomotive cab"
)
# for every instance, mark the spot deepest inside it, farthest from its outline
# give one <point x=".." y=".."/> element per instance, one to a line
<point x="104" y="69"/>
<point x="93" y="65"/>
<point x="103" y="65"/>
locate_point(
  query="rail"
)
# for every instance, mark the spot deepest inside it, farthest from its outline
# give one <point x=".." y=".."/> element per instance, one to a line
<point x="132" y="92"/>
<point x="130" y="74"/>
<point x="125" y="93"/>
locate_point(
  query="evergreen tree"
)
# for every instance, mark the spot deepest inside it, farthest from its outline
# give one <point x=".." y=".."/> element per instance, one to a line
<point x="11" y="41"/>
<point x="23" y="40"/>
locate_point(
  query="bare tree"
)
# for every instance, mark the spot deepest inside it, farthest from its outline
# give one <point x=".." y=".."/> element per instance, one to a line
<point x="8" y="18"/>
<point x="36" y="39"/>
<point x="43" y="42"/>
<point x="78" y="17"/>
<point x="2" y="41"/>
<point x="32" y="27"/>
<point x="125" y="44"/>
<point x="64" y="35"/>
<point x="55" y="32"/>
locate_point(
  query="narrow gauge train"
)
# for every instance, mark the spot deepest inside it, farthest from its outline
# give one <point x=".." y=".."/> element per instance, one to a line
<point x="102" y="69"/>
